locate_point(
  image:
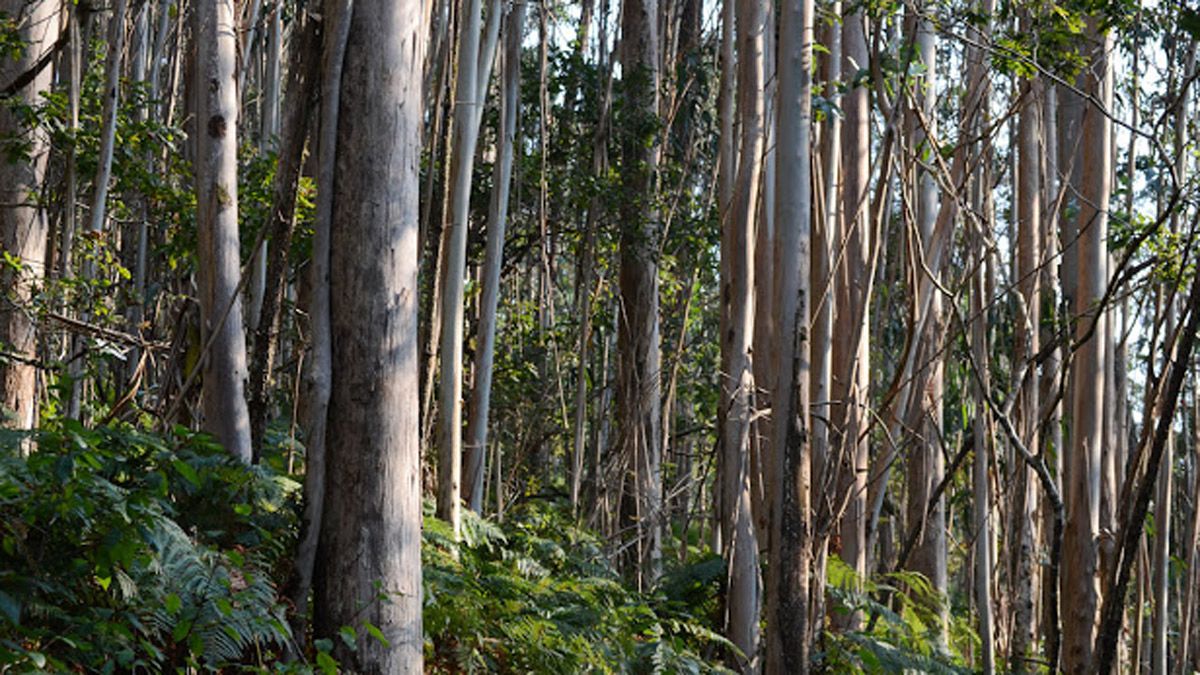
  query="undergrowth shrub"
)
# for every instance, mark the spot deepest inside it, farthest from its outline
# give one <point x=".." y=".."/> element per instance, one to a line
<point x="122" y="550"/>
<point x="538" y="595"/>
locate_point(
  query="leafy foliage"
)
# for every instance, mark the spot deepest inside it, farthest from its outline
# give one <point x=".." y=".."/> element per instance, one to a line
<point x="902" y="635"/>
<point x="537" y="595"/>
<point x="122" y="550"/>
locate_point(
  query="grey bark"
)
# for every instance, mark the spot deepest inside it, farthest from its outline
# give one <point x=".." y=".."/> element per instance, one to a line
<point x="216" y="104"/>
<point x="369" y="562"/>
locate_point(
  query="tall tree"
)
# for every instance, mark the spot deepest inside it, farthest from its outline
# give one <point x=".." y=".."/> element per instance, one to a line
<point x="369" y="565"/>
<point x="477" y="421"/>
<point x="851" y="354"/>
<point x="1081" y="562"/>
<point x="224" y="338"/>
<point x="639" y="407"/>
<point x="791" y="465"/>
<point x="739" y="227"/>
<point x="23" y="226"/>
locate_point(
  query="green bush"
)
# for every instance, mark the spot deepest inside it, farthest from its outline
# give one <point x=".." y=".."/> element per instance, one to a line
<point x="121" y="550"/>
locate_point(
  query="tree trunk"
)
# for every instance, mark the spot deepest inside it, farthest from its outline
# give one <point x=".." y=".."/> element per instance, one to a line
<point x="23" y="226"/>
<point x="743" y="598"/>
<point x="851" y="355"/>
<point x="791" y="559"/>
<point x="468" y="105"/>
<point x="1029" y="262"/>
<point x="302" y="77"/>
<point x="477" y="423"/>
<point x="225" y="412"/>
<point x="369" y="563"/>
<point x="926" y="463"/>
<point x="1081" y="560"/>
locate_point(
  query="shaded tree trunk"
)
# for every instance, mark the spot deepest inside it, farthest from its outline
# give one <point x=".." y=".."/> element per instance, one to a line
<point x="369" y="563"/>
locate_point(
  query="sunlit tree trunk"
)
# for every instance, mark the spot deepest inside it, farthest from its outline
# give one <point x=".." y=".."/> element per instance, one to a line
<point x="466" y="133"/>
<point x="791" y="465"/>
<point x="225" y="372"/>
<point x="23" y="226"/>
<point x="1081" y="560"/>
<point x="369" y="565"/>
<point x="851" y="353"/>
<point x="926" y="463"/>
<point x="1029" y="259"/>
<point x="740" y="224"/>
<point x="477" y="422"/>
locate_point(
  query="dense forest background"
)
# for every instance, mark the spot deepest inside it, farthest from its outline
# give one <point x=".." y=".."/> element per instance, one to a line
<point x="644" y="336"/>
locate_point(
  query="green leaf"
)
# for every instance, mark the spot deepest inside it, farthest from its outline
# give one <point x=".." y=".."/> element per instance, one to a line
<point x="350" y="637"/>
<point x="326" y="663"/>
<point x="376" y="633"/>
<point x="189" y="474"/>
<point x="172" y="603"/>
<point x="181" y="630"/>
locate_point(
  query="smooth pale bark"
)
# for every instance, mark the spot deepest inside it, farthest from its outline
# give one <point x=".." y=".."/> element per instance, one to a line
<point x="791" y="552"/>
<point x="469" y="92"/>
<point x="108" y="136"/>
<point x="23" y="226"/>
<point x="639" y="407"/>
<point x="1029" y="259"/>
<point x="826" y="236"/>
<point x="926" y="463"/>
<point x="743" y="596"/>
<point x="851" y="355"/>
<point x="369" y="562"/>
<point x="1050" y="376"/>
<point x="1081" y="558"/>
<point x="225" y="372"/>
<point x="302" y="77"/>
<point x="477" y="423"/>
<point x="981" y="488"/>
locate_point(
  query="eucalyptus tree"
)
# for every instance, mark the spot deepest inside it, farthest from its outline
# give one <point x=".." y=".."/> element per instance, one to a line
<point x="739" y="225"/>
<point x="475" y="52"/>
<point x="369" y="561"/>
<point x="639" y="407"/>
<point x="477" y="422"/>
<point x="23" y="225"/>
<point x="217" y="109"/>
<point x="1080" y="580"/>
<point x="791" y="465"/>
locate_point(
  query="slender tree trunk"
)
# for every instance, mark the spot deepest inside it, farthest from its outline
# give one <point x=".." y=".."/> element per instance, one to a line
<point x="225" y="412"/>
<point x="825" y="246"/>
<point x="743" y="597"/>
<point x="1029" y="261"/>
<point x="1081" y="561"/>
<point x="639" y="412"/>
<point x="851" y="357"/>
<point x="926" y="463"/>
<point x="791" y="546"/>
<point x="319" y="380"/>
<point x="468" y="105"/>
<point x="477" y="424"/>
<point x="373" y="495"/>
<point x="302" y="77"/>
